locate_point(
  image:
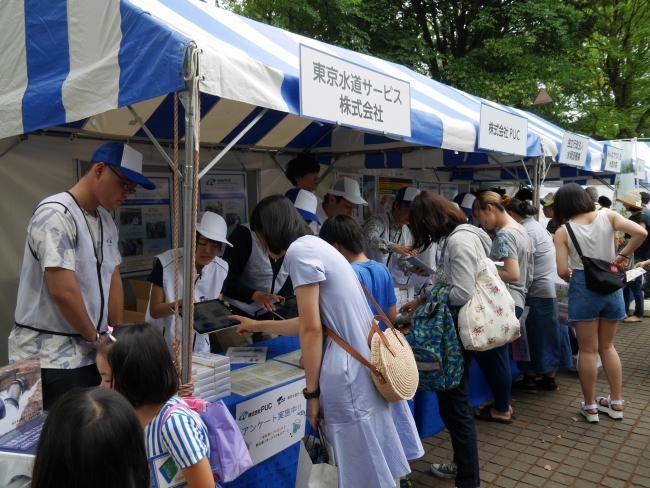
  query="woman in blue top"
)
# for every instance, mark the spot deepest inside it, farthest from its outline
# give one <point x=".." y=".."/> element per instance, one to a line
<point x="342" y="396"/>
<point x="138" y="365"/>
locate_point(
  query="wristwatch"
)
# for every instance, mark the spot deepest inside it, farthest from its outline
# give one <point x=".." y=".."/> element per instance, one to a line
<point x="313" y="394"/>
<point x="97" y="340"/>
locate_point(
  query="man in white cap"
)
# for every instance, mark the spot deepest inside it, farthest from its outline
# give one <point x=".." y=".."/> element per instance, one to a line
<point x="211" y="272"/>
<point x="388" y="239"/>
<point x="342" y="198"/>
<point x="70" y="287"/>
<point x="307" y="204"/>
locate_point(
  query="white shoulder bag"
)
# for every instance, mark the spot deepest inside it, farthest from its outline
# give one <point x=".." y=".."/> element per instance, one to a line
<point x="488" y="319"/>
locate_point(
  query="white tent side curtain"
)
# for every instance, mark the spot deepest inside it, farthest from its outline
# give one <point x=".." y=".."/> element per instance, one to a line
<point x="65" y="60"/>
<point x="245" y="66"/>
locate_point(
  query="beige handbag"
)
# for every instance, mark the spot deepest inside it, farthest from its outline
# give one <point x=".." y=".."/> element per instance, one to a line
<point x="392" y="363"/>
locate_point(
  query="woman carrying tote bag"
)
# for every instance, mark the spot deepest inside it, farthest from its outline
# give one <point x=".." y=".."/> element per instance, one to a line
<point x="342" y="397"/>
<point x="434" y="219"/>
<point x="594" y="315"/>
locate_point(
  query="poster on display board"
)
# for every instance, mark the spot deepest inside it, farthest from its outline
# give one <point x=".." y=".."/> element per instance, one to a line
<point x="224" y="193"/>
<point x="273" y="421"/>
<point x="143" y="221"/>
<point x="449" y="190"/>
<point x="432" y="186"/>
<point x="369" y="194"/>
<point x="388" y="188"/>
<point x="359" y="210"/>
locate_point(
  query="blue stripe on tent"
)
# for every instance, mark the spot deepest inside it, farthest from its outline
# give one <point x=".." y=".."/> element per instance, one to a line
<point x="462" y="175"/>
<point x="453" y="158"/>
<point x="383" y="160"/>
<point x="247" y="120"/>
<point x="426" y="129"/>
<point x="223" y="32"/>
<point x="161" y="122"/>
<point x="369" y="139"/>
<point x="265" y="125"/>
<point x="571" y="172"/>
<point x="290" y="91"/>
<point x="48" y="62"/>
<point x="138" y="60"/>
<point x="311" y="134"/>
<point x="325" y="160"/>
<point x="521" y="174"/>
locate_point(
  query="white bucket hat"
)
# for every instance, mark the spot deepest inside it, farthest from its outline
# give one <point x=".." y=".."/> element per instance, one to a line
<point x="212" y="226"/>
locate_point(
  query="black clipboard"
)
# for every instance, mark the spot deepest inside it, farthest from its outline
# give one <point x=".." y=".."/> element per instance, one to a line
<point x="211" y="316"/>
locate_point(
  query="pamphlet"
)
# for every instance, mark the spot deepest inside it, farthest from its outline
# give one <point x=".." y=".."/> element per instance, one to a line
<point x="258" y="377"/>
<point x="634" y="273"/>
<point x="290" y="358"/>
<point x="247" y="355"/>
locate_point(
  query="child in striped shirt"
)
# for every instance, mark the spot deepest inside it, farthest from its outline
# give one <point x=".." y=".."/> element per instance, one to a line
<point x="138" y="365"/>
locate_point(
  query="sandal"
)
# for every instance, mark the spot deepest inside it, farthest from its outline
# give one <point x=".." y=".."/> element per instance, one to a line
<point x="615" y="414"/>
<point x="513" y="415"/>
<point x="486" y="415"/>
<point x="592" y="418"/>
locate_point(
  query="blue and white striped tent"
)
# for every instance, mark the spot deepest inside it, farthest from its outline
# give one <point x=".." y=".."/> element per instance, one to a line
<point x="76" y="64"/>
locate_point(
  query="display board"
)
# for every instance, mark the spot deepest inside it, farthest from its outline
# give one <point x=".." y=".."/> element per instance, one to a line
<point x="224" y="193"/>
<point x="449" y="190"/>
<point x="432" y="186"/>
<point x="388" y="188"/>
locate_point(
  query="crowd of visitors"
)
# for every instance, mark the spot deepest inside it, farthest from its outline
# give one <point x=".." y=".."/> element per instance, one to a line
<point x="298" y="245"/>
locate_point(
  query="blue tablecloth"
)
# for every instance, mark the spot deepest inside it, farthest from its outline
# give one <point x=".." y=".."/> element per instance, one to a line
<point x="279" y="470"/>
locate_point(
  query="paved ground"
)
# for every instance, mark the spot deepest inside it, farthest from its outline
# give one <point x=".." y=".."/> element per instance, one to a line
<point x="551" y="444"/>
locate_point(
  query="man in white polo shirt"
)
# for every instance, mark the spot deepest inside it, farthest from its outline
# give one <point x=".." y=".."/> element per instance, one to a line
<point x="342" y="197"/>
<point x="70" y="288"/>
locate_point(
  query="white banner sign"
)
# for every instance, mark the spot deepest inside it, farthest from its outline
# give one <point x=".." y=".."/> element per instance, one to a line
<point x="613" y="158"/>
<point x="640" y="169"/>
<point x="273" y="421"/>
<point x="502" y="131"/>
<point x="338" y="91"/>
<point x="574" y="150"/>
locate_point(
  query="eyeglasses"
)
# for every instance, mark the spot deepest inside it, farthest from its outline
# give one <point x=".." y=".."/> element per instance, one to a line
<point x="128" y="187"/>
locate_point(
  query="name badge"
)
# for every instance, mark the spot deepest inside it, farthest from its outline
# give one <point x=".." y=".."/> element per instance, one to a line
<point x="165" y="472"/>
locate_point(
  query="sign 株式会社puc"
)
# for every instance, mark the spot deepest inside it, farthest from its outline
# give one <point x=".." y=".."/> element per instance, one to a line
<point x="337" y="91"/>
<point x="502" y="131"/>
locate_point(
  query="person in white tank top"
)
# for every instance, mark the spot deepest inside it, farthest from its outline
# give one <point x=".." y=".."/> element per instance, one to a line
<point x="594" y="315"/>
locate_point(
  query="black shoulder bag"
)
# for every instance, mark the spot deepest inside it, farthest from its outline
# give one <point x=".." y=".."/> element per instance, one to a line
<point x="601" y="276"/>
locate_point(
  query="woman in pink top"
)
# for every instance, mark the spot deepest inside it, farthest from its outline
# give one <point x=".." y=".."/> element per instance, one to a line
<point x="594" y="315"/>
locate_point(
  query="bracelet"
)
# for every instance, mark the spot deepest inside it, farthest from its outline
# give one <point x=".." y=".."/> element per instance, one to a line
<point x="97" y="340"/>
<point x="623" y="256"/>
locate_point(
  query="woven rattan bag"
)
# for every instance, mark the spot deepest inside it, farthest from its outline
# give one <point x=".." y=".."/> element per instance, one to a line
<point x="392" y="363"/>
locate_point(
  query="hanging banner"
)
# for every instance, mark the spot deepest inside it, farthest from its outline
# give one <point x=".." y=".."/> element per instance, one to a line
<point x="640" y="169"/>
<point x="224" y="193"/>
<point x="359" y="210"/>
<point x="613" y="159"/>
<point x="340" y="92"/>
<point x="388" y="188"/>
<point x="502" y="131"/>
<point x="144" y="221"/>
<point x="431" y="186"/>
<point x="448" y="190"/>
<point x="574" y="150"/>
<point x="273" y="421"/>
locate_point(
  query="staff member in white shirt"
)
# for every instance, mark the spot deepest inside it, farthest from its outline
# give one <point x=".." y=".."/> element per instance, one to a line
<point x="388" y="241"/>
<point x="70" y="287"/>
<point x="342" y="198"/>
<point x="211" y="272"/>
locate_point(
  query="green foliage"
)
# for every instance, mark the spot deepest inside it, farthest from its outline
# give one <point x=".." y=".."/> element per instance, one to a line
<point x="592" y="56"/>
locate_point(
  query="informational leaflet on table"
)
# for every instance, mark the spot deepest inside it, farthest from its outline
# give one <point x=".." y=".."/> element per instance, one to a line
<point x="273" y="421"/>
<point x="259" y="377"/>
<point x="144" y="221"/>
<point x="432" y="186"/>
<point x="448" y="190"/>
<point x="290" y="358"/>
<point x="247" y="355"/>
<point x="224" y="193"/>
<point x="388" y="188"/>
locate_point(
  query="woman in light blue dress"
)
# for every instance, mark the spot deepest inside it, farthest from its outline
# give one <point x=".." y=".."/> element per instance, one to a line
<point x="355" y="418"/>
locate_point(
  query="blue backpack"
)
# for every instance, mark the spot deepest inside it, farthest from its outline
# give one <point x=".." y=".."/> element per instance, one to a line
<point x="435" y="343"/>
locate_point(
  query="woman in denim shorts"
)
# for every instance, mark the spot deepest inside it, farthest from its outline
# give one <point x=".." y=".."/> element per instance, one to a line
<point x="594" y="315"/>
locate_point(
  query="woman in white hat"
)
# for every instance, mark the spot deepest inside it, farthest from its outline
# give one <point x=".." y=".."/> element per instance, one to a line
<point x="633" y="204"/>
<point x="211" y="272"/>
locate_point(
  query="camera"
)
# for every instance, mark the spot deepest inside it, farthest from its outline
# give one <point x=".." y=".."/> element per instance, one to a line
<point x="402" y="319"/>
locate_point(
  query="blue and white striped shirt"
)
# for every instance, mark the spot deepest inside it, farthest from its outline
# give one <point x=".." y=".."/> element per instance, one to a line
<point x="183" y="435"/>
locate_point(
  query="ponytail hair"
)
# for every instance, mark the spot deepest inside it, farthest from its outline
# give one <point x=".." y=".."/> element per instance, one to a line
<point x="490" y="198"/>
<point x="523" y="209"/>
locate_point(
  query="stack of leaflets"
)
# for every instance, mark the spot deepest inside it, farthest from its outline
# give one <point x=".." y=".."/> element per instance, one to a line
<point x="211" y="373"/>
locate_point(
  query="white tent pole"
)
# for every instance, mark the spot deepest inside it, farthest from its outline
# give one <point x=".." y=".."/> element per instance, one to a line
<point x="152" y="138"/>
<point x="232" y="143"/>
<point x="189" y="99"/>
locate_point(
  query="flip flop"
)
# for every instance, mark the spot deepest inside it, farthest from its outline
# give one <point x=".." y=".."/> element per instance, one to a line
<point x="486" y="415"/>
<point x="513" y="415"/>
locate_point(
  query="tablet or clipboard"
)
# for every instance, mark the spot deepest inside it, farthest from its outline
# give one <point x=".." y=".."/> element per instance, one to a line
<point x="211" y="316"/>
<point x="415" y="261"/>
<point x="288" y="309"/>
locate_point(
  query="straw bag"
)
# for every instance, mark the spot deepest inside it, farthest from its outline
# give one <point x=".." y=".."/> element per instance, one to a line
<point x="392" y="363"/>
<point x="488" y="319"/>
